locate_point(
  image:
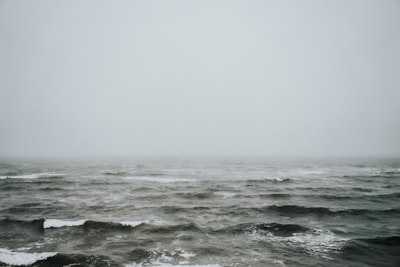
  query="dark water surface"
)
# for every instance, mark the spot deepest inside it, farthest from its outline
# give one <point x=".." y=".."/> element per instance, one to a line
<point x="200" y="213"/>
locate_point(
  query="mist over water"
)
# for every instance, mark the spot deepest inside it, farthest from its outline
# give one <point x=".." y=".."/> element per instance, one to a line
<point x="205" y="78"/>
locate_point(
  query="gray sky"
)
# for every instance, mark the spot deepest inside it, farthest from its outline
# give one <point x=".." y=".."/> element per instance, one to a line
<point x="202" y="78"/>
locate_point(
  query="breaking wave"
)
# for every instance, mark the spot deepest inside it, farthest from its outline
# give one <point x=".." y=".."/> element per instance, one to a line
<point x="10" y="257"/>
<point x="34" y="176"/>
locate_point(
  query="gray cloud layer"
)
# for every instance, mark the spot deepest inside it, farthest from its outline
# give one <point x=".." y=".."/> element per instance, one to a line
<point x="236" y="78"/>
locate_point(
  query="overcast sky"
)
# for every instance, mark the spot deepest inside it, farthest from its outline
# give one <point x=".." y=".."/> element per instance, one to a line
<point x="199" y="78"/>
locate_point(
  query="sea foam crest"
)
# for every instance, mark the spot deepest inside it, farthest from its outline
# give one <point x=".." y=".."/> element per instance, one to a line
<point x="172" y="265"/>
<point x="225" y="194"/>
<point x="132" y="223"/>
<point x="33" y="176"/>
<point x="22" y="258"/>
<point x="165" y="258"/>
<point x="152" y="179"/>
<point x="315" y="242"/>
<point x="55" y="223"/>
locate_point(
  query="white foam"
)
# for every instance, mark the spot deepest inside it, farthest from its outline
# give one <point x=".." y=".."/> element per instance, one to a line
<point x="187" y="255"/>
<point x="166" y="257"/>
<point x="172" y="265"/>
<point x="279" y="262"/>
<point x="225" y="194"/>
<point x="33" y="176"/>
<point x="55" y="223"/>
<point x="158" y="179"/>
<point x="315" y="242"/>
<point x="132" y="223"/>
<point x="22" y="258"/>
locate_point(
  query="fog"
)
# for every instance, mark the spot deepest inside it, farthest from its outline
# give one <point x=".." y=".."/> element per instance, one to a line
<point x="199" y="78"/>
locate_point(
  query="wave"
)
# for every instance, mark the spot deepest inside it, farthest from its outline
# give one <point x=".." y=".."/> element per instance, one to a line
<point x="60" y="259"/>
<point x="150" y="174"/>
<point x="34" y="208"/>
<point x="165" y="229"/>
<point x="145" y="226"/>
<point x="381" y="174"/>
<point x="270" y="180"/>
<point x="52" y="189"/>
<point x="363" y="197"/>
<point x="41" y="224"/>
<point x="179" y="209"/>
<point x="203" y="195"/>
<point x="225" y="194"/>
<point x="391" y="173"/>
<point x="165" y="258"/>
<point x="152" y="179"/>
<point x="34" y="225"/>
<point x="316" y="242"/>
<point x="371" y="197"/>
<point x="296" y="211"/>
<point x="114" y="173"/>
<point x="273" y="195"/>
<point x="378" y="251"/>
<point x="384" y="241"/>
<point x="322" y="211"/>
<point x="55" y="223"/>
<point x="276" y="229"/>
<point x="88" y="224"/>
<point x="132" y="223"/>
<point x="160" y="264"/>
<point x="34" y="176"/>
<point x="282" y="210"/>
<point x="23" y="258"/>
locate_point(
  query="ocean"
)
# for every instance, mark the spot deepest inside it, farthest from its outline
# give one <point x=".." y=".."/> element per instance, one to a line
<point x="200" y="213"/>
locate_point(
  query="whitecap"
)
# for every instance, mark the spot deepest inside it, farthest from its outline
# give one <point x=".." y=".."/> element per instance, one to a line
<point x="166" y="257"/>
<point x="315" y="242"/>
<point x="33" y="176"/>
<point x="132" y="223"/>
<point x="158" y="179"/>
<point x="172" y="265"/>
<point x="23" y="258"/>
<point x="225" y="194"/>
<point x="55" y="223"/>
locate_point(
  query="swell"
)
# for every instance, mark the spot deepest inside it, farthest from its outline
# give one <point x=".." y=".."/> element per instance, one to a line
<point x="149" y="174"/>
<point x="33" y="176"/>
<point x="12" y="231"/>
<point x="382" y="174"/>
<point x="269" y="180"/>
<point x="114" y="173"/>
<point x="33" y="225"/>
<point x="372" y="197"/>
<point x="42" y="225"/>
<point x="195" y="195"/>
<point x="75" y="260"/>
<point x="377" y="251"/>
<point x="393" y="241"/>
<point x="34" y="208"/>
<point x="281" y="210"/>
<point x="105" y="226"/>
<point x="295" y="210"/>
<point x="276" y="229"/>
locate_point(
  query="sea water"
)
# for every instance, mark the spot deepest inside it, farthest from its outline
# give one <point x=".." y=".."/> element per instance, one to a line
<point x="200" y="213"/>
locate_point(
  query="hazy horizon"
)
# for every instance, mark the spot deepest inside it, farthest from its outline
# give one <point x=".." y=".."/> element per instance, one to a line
<point x="118" y="79"/>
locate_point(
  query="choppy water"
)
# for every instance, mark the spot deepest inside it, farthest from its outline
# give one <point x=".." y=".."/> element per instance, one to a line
<point x="200" y="213"/>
